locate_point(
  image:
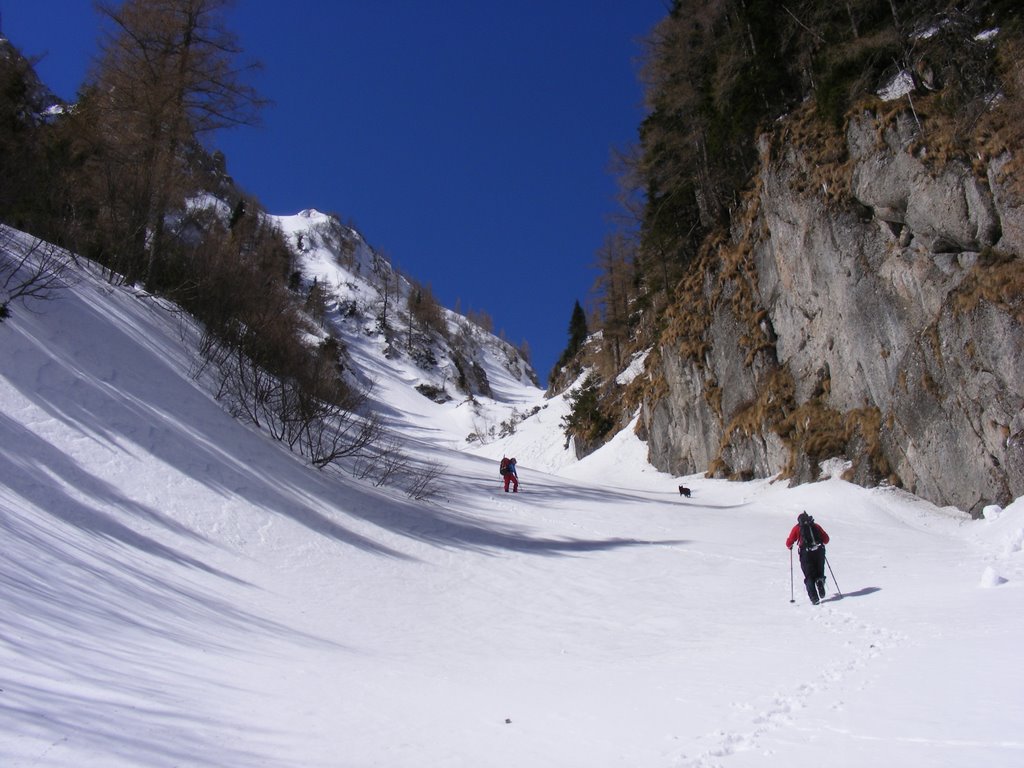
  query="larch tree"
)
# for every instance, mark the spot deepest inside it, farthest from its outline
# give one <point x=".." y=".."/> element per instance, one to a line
<point x="167" y="76"/>
<point x="613" y="287"/>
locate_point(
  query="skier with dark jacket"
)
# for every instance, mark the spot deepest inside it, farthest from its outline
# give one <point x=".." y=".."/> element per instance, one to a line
<point x="812" y="540"/>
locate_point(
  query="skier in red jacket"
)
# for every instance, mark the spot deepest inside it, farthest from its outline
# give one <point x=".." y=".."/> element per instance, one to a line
<point x="511" y="475"/>
<point x="812" y="539"/>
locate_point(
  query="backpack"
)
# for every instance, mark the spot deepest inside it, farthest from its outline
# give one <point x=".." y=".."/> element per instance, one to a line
<point x="503" y="467"/>
<point x="808" y="535"/>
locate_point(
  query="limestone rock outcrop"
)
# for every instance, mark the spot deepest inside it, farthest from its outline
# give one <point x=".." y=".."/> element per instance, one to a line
<point x="884" y="324"/>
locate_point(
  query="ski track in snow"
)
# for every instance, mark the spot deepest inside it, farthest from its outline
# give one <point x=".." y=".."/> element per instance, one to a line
<point x="866" y="643"/>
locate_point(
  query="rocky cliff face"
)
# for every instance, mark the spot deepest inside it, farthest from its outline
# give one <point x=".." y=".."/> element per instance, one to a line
<point x="869" y="307"/>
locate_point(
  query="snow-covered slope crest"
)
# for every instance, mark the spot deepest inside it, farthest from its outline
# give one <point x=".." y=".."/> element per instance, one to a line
<point x="391" y="327"/>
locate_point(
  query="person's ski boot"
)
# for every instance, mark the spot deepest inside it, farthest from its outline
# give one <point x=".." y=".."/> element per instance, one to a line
<point x="820" y="583"/>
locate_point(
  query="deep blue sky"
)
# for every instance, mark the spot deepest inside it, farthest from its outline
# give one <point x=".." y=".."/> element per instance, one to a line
<point x="468" y="140"/>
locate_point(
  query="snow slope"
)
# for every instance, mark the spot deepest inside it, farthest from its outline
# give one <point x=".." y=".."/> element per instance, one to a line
<point x="177" y="590"/>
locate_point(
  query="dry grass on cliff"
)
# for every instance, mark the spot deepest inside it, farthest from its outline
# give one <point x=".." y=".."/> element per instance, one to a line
<point x="824" y="155"/>
<point x="811" y="429"/>
<point x="996" y="278"/>
<point x="724" y="269"/>
<point x="820" y="432"/>
<point x="957" y="122"/>
<point x="775" y="400"/>
<point x="688" y="319"/>
<point x="1000" y="131"/>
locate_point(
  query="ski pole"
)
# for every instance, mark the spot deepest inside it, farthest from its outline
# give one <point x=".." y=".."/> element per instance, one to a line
<point x="833" y="576"/>
<point x="791" y="599"/>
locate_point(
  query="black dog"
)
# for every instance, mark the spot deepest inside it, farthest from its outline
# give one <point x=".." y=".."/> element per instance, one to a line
<point x="684" y="491"/>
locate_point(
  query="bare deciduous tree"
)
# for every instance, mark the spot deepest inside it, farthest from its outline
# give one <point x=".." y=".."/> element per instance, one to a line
<point x="423" y="480"/>
<point x="29" y="272"/>
<point x="615" y="277"/>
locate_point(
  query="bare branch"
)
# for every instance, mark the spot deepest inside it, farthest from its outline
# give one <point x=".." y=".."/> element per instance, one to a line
<point x="424" y="480"/>
<point x="32" y="272"/>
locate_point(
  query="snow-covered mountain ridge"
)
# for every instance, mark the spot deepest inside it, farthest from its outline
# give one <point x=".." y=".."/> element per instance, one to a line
<point x="369" y="306"/>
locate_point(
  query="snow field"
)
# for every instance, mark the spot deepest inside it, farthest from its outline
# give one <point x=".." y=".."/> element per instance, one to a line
<point x="179" y="591"/>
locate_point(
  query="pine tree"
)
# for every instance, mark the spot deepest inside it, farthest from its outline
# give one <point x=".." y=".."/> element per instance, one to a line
<point x="577" y="336"/>
<point x="577" y="330"/>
